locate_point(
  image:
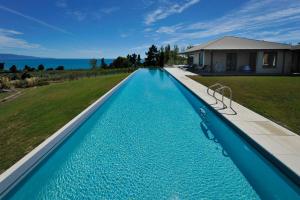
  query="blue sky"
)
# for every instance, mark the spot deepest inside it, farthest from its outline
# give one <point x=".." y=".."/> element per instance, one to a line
<point x="98" y="28"/>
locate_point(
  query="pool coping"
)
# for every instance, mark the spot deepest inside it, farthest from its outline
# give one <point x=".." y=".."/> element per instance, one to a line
<point x="13" y="175"/>
<point x="279" y="145"/>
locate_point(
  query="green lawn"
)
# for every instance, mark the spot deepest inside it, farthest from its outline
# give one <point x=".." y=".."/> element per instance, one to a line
<point x="30" y="118"/>
<point x="275" y="97"/>
<point x="5" y="94"/>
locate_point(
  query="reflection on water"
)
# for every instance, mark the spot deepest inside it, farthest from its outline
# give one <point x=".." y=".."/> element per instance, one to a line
<point x="207" y="130"/>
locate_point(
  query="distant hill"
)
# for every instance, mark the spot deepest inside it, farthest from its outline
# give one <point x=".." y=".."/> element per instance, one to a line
<point x="16" y="57"/>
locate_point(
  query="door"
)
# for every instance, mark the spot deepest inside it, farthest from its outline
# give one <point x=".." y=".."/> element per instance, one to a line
<point x="298" y="62"/>
<point x="252" y="61"/>
<point x="231" y="61"/>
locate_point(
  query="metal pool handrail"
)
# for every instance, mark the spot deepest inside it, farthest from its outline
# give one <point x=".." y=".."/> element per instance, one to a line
<point x="216" y="85"/>
<point x="221" y="89"/>
<point x="230" y="93"/>
<point x="230" y="98"/>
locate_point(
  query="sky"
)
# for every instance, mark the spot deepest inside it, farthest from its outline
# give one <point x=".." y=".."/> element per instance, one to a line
<point x="101" y="28"/>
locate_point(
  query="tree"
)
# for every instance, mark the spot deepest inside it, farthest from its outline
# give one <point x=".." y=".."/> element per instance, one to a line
<point x="13" y="69"/>
<point x="93" y="63"/>
<point x="132" y="59"/>
<point x="103" y="64"/>
<point x="138" y="60"/>
<point x="161" y="58"/>
<point x="41" y="67"/>
<point x="167" y="53"/>
<point x="152" y="56"/>
<point x="189" y="47"/>
<point x="120" y="62"/>
<point x="128" y="57"/>
<point x="175" y="54"/>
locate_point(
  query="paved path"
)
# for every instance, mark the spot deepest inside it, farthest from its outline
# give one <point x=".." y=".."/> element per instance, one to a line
<point x="283" y="144"/>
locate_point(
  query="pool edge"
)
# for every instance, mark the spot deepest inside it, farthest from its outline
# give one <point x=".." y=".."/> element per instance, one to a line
<point x="289" y="172"/>
<point x="13" y="175"/>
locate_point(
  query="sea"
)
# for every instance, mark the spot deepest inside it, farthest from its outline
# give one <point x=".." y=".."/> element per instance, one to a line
<point x="69" y="64"/>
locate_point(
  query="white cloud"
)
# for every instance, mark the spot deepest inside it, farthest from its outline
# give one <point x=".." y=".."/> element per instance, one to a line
<point x="34" y="19"/>
<point x="110" y="10"/>
<point x="8" y="39"/>
<point x="169" y="29"/>
<point x="61" y="3"/>
<point x="251" y="20"/>
<point x="85" y="13"/>
<point x="78" y="15"/>
<point x="142" y="47"/>
<point x="147" y="3"/>
<point x="165" y="11"/>
<point x="124" y="35"/>
<point x="9" y="32"/>
<point x="148" y="29"/>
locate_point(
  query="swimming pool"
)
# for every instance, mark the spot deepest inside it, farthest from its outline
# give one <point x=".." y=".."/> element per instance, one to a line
<point x="150" y="141"/>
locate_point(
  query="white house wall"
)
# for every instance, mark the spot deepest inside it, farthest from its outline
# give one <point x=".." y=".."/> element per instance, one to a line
<point x="207" y="58"/>
<point x="196" y="58"/>
<point x="219" y="60"/>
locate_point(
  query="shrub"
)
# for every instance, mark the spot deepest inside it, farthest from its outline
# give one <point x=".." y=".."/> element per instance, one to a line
<point x="28" y="69"/>
<point x="60" y="68"/>
<point x="41" y="67"/>
<point x="1" y="67"/>
<point x="25" y="75"/>
<point x="18" y="83"/>
<point x="34" y="81"/>
<point x="13" y="69"/>
<point x="93" y="63"/>
<point x="5" y="83"/>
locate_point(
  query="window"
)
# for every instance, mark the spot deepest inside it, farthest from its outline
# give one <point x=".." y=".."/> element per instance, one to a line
<point x="190" y="60"/>
<point x="201" y="58"/>
<point x="270" y="59"/>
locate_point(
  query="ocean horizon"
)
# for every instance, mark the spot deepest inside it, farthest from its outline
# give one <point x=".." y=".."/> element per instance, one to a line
<point x="69" y="64"/>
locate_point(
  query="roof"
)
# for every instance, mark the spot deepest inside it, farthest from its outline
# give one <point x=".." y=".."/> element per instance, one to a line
<point x="235" y="43"/>
<point x="296" y="47"/>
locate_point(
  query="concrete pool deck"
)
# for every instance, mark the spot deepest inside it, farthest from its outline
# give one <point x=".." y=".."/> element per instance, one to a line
<point x="276" y="140"/>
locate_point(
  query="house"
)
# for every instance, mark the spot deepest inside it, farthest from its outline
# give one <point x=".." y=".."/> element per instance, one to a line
<point x="237" y="55"/>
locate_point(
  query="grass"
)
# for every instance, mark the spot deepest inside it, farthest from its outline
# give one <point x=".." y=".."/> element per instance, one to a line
<point x="275" y="97"/>
<point x="5" y="94"/>
<point x="32" y="117"/>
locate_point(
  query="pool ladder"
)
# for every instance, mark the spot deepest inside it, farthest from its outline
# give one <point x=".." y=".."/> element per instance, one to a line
<point x="221" y="89"/>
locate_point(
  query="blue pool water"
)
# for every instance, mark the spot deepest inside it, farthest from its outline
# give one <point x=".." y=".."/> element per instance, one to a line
<point x="67" y="63"/>
<point x="148" y="141"/>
